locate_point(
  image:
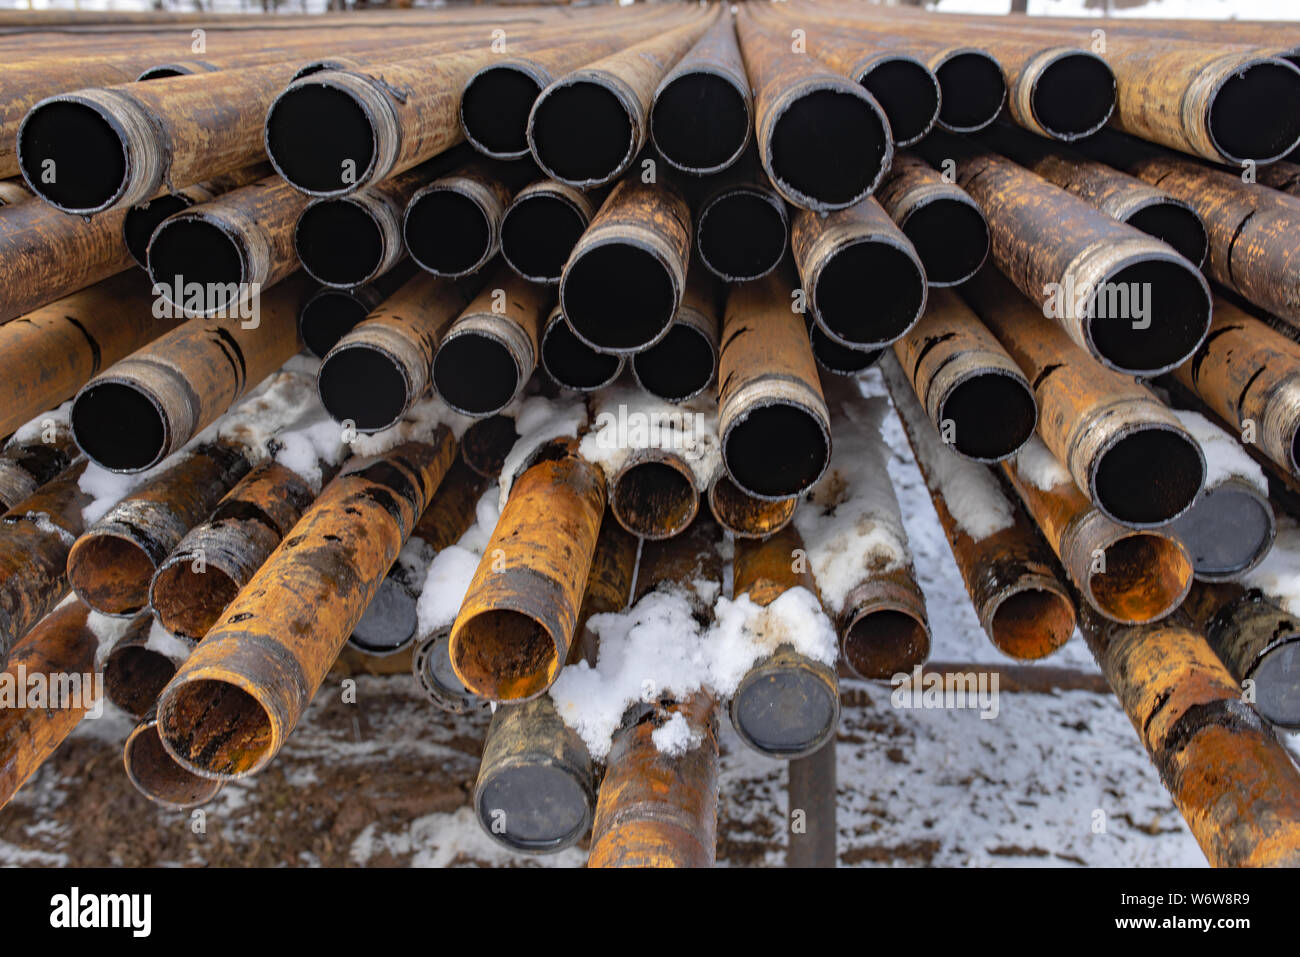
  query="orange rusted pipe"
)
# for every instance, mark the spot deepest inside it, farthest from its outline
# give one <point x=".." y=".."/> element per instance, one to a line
<point x="946" y="227"/>
<point x="231" y="706"/>
<point x="139" y="667"/>
<point x="28" y="462"/>
<point x="745" y="516"/>
<point x="158" y="776"/>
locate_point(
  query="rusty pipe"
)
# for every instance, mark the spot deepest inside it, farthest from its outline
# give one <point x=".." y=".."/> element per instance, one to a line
<point x="745" y="516"/>
<point x="684" y="362"/>
<point x="570" y="362"/>
<point x="452" y="226"/>
<point x="741" y="225"/>
<point x="158" y="776"/>
<point x="29" y="461"/>
<point x="487" y="442"/>
<point x="541" y="226"/>
<point x="652" y="493"/>
<point x="232" y="704"/>
<point x="139" y="666"/>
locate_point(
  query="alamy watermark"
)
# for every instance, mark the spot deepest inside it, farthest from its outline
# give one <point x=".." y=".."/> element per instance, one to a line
<point x="213" y="300"/>
<point x="52" y="692"/>
<point x="676" y="430"/>
<point x="1106" y="300"/>
<point x="968" y="690"/>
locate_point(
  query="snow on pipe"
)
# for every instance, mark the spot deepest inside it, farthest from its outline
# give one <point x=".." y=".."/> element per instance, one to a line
<point x="684" y="362"/>
<point x="209" y="566"/>
<point x="742" y="514"/>
<point x="1112" y="433"/>
<point x="788" y="704"/>
<point x="536" y="787"/>
<point x="946" y="227"/>
<point x="542" y="225"/>
<point x="587" y="127"/>
<point x="659" y="808"/>
<point x="1125" y="297"/>
<point x="971" y="389"/>
<point x="863" y="279"/>
<point x="516" y="625"/>
<point x="487" y="356"/>
<point x="769" y="394"/>
<point x="28" y="462"/>
<point x="35" y="535"/>
<point x="1231" y="779"/>
<point x="703" y="111"/>
<point x="112" y="564"/>
<point x="1014" y="581"/>
<point x="65" y="642"/>
<point x="375" y="373"/>
<point x="1128" y="576"/>
<point x="634" y="254"/>
<point x="159" y="776"/>
<point x="230" y="707"/>
<point x="571" y="363"/>
<point x="452" y="226"/>
<point x="741" y="223"/>
<point x="823" y="140"/>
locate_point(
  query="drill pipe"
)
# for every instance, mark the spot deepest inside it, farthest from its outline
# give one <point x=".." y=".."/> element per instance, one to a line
<point x="946" y="227"/>
<point x="745" y="516"/>
<point x="541" y="226"/>
<point x="854" y="256"/>
<point x="971" y="389"/>
<point x="516" y="624"/>
<point x="216" y="559"/>
<point x="377" y="371"/>
<point x="1230" y="778"/>
<point x="652" y="493"/>
<point x="741" y="225"/>
<point x="823" y="139"/>
<point x="158" y="776"/>
<point x="635" y="253"/>
<point x="1087" y="271"/>
<point x="329" y="313"/>
<point x="486" y="443"/>
<point x="570" y="362"/>
<point x="1127" y="576"/>
<point x="113" y="563"/>
<point x="769" y="394"/>
<point x="1014" y="581"/>
<point x="536" y="787"/>
<point x="28" y="463"/>
<point x="452" y="226"/>
<point x="787" y="705"/>
<point x="35" y="536"/>
<point x="232" y="704"/>
<point x="139" y="667"/>
<point x="13" y="191"/>
<point x="150" y="404"/>
<point x="683" y="363"/>
<point x="489" y="353"/>
<point x="1122" y="445"/>
<point x="837" y="359"/>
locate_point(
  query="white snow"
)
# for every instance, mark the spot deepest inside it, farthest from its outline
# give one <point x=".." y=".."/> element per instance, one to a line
<point x="418" y="425"/>
<point x="108" y="631"/>
<point x="1224" y="456"/>
<point x="452" y="569"/>
<point x="34" y="431"/>
<point x="627" y="419"/>
<point x="675" y="736"/>
<point x="163" y="642"/>
<point x="537" y="421"/>
<point x="1036" y="464"/>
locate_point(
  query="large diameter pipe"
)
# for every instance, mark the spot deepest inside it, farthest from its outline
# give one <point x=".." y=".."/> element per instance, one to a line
<point x="769" y="394"/>
<point x="946" y="227"/>
<point x="971" y="389"/>
<point x="635" y="253"/>
<point x="452" y="226"/>
<point x="1248" y="374"/>
<point x="541" y="226"/>
<point x="1128" y="576"/>
<point x="239" y="695"/>
<point x="112" y="565"/>
<point x="587" y="127"/>
<point x="683" y="363"/>
<point x="702" y="116"/>
<point x="573" y="364"/>
<point x="863" y="279"/>
<point x="823" y="140"/>
<point x="490" y="352"/>
<point x="741" y="224"/>
<point x="121" y="145"/>
<point x="1230" y="778"/>
<point x="374" y="374"/>
<point x="35" y="536"/>
<point x="536" y="787"/>
<point x="1127" y="298"/>
<point x="211" y="259"/>
<point x="215" y="560"/>
<point x="150" y="404"/>
<point x="1111" y="432"/>
<point x="788" y="704"/>
<point x="516" y="625"/>
<point x="1013" y="579"/>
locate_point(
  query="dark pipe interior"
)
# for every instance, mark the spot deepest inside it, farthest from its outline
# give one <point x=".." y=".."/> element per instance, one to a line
<point x="447" y="233"/>
<point x="133" y="677"/>
<point x="1149" y="476"/>
<point x="494" y="109"/>
<point x="908" y="94"/>
<point x="312" y="130"/>
<point x="973" y="89"/>
<point x="327" y="317"/>
<point x="742" y="235"/>
<point x="1225" y="531"/>
<point x="339" y="242"/>
<point x="881" y="644"/>
<point x="89" y="156"/>
<point x="749" y="444"/>
<point x="869" y="293"/>
<point x="699" y="121"/>
<point x="537" y="235"/>
<point x="160" y="775"/>
<point x="504" y="654"/>
<point x="951" y="238"/>
<point x="841" y="359"/>
<point x="160" y="73"/>
<point x="1256" y="113"/>
<point x="582" y="133"/>
<point x="1178" y="312"/>
<point x="475" y="374"/>
<point x="189" y="602"/>
<point x="141" y="221"/>
<point x="992" y="416"/>
<point x="654" y="500"/>
<point x="618" y="296"/>
<point x="830" y="146"/>
<point x="196" y="251"/>
<point x="1074" y="95"/>
<point x="118" y="426"/>
<point x="1277" y="695"/>
<point x="572" y="363"/>
<point x="678" y="366"/>
<point x="364" y="385"/>
<point x="111" y="573"/>
<point x="1176" y="225"/>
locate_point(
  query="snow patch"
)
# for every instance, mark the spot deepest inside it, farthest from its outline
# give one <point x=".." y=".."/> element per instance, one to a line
<point x="1224" y="456"/>
<point x="538" y="421"/>
<point x="1036" y="464"/>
